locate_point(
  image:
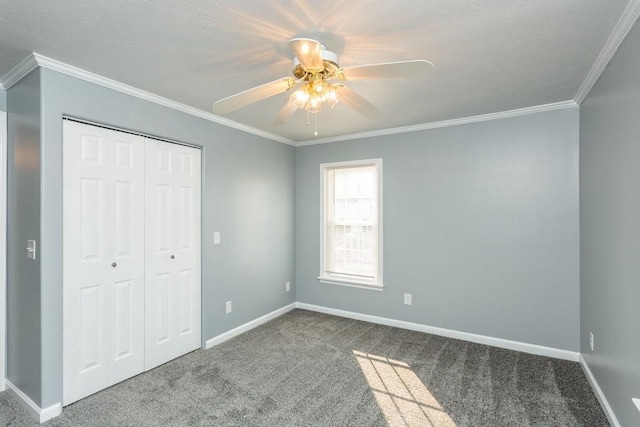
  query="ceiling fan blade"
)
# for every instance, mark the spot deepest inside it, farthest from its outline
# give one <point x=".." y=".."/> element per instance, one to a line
<point x="258" y="93"/>
<point x="285" y="114"/>
<point x="308" y="53"/>
<point x="358" y="103"/>
<point x="408" y="69"/>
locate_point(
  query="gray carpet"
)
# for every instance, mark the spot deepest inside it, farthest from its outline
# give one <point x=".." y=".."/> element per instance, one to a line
<point x="311" y="369"/>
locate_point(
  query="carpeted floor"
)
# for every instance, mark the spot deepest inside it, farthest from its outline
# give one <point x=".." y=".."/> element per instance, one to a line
<point x="311" y="369"/>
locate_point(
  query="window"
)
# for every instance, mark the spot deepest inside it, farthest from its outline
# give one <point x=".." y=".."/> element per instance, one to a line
<point x="351" y="223"/>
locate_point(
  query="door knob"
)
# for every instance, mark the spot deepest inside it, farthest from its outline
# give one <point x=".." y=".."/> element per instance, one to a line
<point x="113" y="264"/>
<point x="173" y="256"/>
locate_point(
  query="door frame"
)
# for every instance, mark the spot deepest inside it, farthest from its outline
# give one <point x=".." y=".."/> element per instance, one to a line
<point x="3" y="247"/>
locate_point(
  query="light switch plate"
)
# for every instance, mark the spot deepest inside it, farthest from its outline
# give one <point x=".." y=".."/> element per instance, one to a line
<point x="31" y="249"/>
<point x="216" y="237"/>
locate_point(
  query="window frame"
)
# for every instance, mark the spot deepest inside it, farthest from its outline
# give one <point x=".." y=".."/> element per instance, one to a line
<point x="335" y="278"/>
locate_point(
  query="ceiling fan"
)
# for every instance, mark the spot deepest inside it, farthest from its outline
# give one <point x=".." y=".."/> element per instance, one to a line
<point x="317" y="80"/>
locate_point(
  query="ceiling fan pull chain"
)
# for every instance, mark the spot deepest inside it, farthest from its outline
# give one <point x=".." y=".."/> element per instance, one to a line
<point x="315" y="132"/>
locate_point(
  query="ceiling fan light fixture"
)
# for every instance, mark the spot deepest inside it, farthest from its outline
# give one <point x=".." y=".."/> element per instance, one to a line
<point x="300" y="97"/>
<point x="314" y="93"/>
<point x="332" y="97"/>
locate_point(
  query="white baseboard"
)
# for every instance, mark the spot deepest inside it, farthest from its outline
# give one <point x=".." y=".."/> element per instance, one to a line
<point x="40" y="414"/>
<point x="599" y="394"/>
<point x="449" y="333"/>
<point x="248" y="326"/>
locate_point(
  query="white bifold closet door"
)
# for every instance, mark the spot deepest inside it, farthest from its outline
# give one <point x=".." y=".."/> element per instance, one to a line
<point x="172" y="261"/>
<point x="103" y="267"/>
<point x="131" y="269"/>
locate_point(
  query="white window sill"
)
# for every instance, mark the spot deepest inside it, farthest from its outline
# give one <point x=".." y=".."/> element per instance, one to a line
<point x="351" y="284"/>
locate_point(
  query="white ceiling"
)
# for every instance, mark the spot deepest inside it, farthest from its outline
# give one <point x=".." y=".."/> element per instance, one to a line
<point x="489" y="56"/>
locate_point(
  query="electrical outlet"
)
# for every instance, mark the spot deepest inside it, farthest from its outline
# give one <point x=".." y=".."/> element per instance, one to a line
<point x="228" y="307"/>
<point x="591" y="340"/>
<point x="407" y="299"/>
<point x="287" y="286"/>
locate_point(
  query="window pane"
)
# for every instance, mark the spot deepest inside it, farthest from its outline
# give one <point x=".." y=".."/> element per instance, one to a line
<point x="350" y="226"/>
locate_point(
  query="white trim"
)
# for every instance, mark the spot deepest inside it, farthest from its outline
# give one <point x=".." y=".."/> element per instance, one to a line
<point x="449" y="333"/>
<point x="79" y="73"/>
<point x="636" y="402"/>
<point x="3" y="245"/>
<point x="35" y="59"/>
<point x="354" y="284"/>
<point x="87" y="76"/>
<point x="326" y="190"/>
<point x="599" y="394"/>
<point x="248" y="326"/>
<point x="15" y="74"/>
<point x="620" y="31"/>
<point x="445" y="123"/>
<point x="40" y="414"/>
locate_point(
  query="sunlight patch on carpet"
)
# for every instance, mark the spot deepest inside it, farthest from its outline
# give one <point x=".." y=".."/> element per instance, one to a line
<point x="402" y="397"/>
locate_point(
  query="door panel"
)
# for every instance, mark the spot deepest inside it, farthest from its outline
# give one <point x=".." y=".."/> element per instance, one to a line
<point x="173" y="252"/>
<point x="163" y="318"/>
<point x="185" y="231"/>
<point x="91" y="207"/>
<point x="123" y="154"/>
<point x="123" y="307"/>
<point x="90" y="149"/>
<point x="123" y="213"/>
<point x="163" y="160"/>
<point x="185" y="290"/>
<point x="103" y="262"/>
<point x="90" y="318"/>
<point x="163" y="228"/>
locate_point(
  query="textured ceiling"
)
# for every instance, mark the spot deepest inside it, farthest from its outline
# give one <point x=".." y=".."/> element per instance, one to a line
<point x="489" y="56"/>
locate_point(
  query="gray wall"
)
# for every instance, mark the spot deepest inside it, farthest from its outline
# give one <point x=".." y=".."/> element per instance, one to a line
<point x="3" y="100"/>
<point x="23" y="222"/>
<point x="480" y="225"/>
<point x="610" y="229"/>
<point x="248" y="195"/>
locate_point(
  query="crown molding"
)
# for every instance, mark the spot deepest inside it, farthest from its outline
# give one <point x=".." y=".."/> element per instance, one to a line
<point x="14" y="75"/>
<point x="34" y="60"/>
<point x="79" y="73"/>
<point x="620" y="31"/>
<point x="445" y="123"/>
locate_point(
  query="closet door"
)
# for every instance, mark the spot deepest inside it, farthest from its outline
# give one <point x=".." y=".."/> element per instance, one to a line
<point x="172" y="265"/>
<point x="103" y="267"/>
